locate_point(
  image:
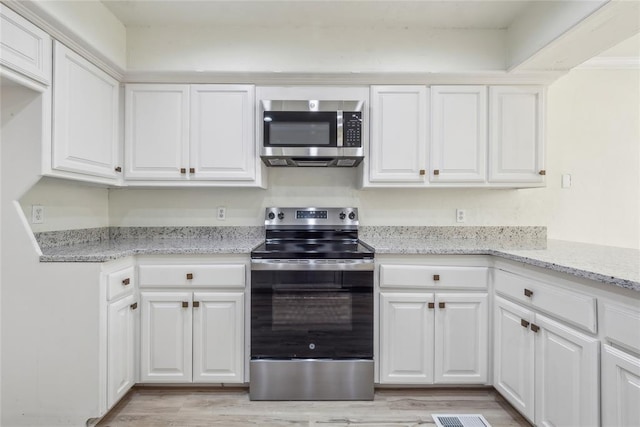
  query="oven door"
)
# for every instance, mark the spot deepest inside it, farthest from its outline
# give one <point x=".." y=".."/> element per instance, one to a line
<point x="300" y="129"/>
<point x="311" y="314"/>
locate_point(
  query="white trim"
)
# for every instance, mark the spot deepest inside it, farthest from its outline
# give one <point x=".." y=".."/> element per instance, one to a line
<point x="610" y="62"/>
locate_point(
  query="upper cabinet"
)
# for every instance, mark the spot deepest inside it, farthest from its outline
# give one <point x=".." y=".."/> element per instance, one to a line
<point x="187" y="133"/>
<point x="398" y="145"/>
<point x="478" y="136"/>
<point x="24" y="48"/>
<point x="516" y="134"/>
<point x="458" y="134"/>
<point x="85" y="119"/>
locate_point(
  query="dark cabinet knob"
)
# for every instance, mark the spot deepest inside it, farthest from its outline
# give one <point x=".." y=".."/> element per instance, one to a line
<point x="126" y="281"/>
<point x="189" y="276"/>
<point x="436" y="277"/>
<point x="118" y="169"/>
<point x="528" y="293"/>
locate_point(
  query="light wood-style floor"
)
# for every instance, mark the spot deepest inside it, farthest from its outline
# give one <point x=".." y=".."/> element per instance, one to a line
<point x="230" y="407"/>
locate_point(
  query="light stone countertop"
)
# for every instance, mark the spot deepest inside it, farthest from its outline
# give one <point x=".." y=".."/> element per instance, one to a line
<point x="605" y="264"/>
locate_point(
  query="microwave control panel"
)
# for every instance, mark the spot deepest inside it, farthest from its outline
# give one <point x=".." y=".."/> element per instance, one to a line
<point x="352" y="129"/>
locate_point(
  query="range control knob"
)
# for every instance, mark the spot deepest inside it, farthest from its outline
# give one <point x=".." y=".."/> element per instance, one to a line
<point x="343" y="215"/>
<point x="280" y="215"/>
<point x="352" y="215"/>
<point x="271" y="215"/>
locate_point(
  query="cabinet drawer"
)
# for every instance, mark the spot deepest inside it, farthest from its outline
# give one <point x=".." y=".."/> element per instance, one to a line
<point x="24" y="47"/>
<point x="120" y="283"/>
<point x="224" y="275"/>
<point x="421" y="276"/>
<point x="622" y="325"/>
<point x="574" y="307"/>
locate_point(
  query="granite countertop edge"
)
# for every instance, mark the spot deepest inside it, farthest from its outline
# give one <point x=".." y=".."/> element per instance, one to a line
<point x="113" y="250"/>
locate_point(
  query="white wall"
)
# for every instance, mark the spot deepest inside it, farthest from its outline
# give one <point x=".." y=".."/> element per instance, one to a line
<point x="313" y="49"/>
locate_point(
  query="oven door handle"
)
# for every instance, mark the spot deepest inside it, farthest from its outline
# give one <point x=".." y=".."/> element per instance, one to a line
<point x="313" y="264"/>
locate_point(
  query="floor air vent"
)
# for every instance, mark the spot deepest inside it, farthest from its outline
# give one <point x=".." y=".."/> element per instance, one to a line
<point x="464" y="420"/>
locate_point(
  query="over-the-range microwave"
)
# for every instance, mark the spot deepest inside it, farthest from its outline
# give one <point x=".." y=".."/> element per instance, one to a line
<point x="312" y="133"/>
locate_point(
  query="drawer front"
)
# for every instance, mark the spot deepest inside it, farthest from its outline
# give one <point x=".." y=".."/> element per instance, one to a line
<point x="622" y="325"/>
<point x="223" y="275"/>
<point x="24" y="47"/>
<point x="574" y="307"/>
<point x="421" y="276"/>
<point x="120" y="283"/>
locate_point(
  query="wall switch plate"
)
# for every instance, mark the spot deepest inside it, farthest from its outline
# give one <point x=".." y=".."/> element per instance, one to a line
<point x="566" y="181"/>
<point x="37" y="214"/>
<point x="222" y="213"/>
<point x="461" y="215"/>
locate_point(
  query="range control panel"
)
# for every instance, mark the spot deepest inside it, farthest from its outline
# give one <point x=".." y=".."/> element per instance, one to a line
<point x="311" y="217"/>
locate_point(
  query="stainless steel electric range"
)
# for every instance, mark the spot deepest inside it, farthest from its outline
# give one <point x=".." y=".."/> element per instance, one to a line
<point x="312" y="307"/>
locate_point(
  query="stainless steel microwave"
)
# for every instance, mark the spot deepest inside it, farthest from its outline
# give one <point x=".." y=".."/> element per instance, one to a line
<point x="312" y="133"/>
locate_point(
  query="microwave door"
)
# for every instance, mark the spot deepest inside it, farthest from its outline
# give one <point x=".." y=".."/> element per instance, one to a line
<point x="300" y="129"/>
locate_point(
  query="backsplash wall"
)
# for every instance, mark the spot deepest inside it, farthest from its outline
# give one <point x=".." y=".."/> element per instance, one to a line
<point x="593" y="133"/>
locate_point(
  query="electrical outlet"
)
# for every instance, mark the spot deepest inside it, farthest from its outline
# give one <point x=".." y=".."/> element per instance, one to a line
<point x="461" y="215"/>
<point x="222" y="213"/>
<point x="37" y="214"/>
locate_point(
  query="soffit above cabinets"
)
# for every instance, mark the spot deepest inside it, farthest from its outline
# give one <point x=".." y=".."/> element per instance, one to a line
<point x="451" y="14"/>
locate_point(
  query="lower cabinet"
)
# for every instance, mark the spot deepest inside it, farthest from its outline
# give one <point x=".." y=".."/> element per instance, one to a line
<point x="121" y="349"/>
<point x="192" y="337"/>
<point x="428" y="337"/>
<point x="620" y="388"/>
<point x="545" y="369"/>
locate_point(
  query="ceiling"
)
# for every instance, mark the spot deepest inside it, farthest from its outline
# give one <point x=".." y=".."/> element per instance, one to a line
<point x="470" y="14"/>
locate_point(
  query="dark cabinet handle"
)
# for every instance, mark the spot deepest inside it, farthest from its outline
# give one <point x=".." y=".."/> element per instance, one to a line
<point x="535" y="328"/>
<point x="189" y="276"/>
<point x="183" y="170"/>
<point x="431" y="305"/>
<point x="436" y="277"/>
<point x="542" y="172"/>
<point x="441" y="304"/>
<point x="192" y="170"/>
<point x="118" y="169"/>
<point x="436" y="172"/>
<point x="134" y="306"/>
<point x="185" y="304"/>
<point x="126" y="281"/>
<point x="524" y="323"/>
<point x="423" y="172"/>
<point x="196" y="304"/>
<point x="528" y="293"/>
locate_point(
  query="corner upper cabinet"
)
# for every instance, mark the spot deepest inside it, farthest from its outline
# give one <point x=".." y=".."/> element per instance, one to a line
<point x="398" y="144"/>
<point x="156" y="131"/>
<point x="24" y="47"/>
<point x="516" y="134"/>
<point x="85" y="118"/>
<point x="458" y="134"/>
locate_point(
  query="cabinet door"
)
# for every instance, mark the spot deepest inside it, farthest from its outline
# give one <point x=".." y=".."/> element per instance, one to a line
<point x="85" y="116"/>
<point x="222" y="137"/>
<point x="120" y="348"/>
<point x="516" y="134"/>
<point x="406" y="338"/>
<point x="156" y="131"/>
<point x="620" y="388"/>
<point x="166" y="337"/>
<point x="461" y="337"/>
<point x="218" y="337"/>
<point x="567" y="386"/>
<point x="513" y="355"/>
<point x="458" y="133"/>
<point x="24" y="47"/>
<point x="398" y="134"/>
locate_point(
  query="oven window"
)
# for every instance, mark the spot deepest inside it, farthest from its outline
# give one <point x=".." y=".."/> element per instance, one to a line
<point x="300" y="133"/>
<point x="304" y="311"/>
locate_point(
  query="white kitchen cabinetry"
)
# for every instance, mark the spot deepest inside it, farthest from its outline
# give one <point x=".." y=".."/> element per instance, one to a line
<point x="620" y="388"/>
<point x="398" y="145"/>
<point x="188" y="133"/>
<point x="24" y="48"/>
<point x="85" y="118"/>
<point x="516" y="134"/>
<point x="190" y="335"/>
<point x="545" y="369"/>
<point x="431" y="336"/>
<point x="458" y="133"/>
<point x="121" y="327"/>
<point x="156" y="131"/>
